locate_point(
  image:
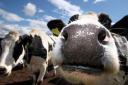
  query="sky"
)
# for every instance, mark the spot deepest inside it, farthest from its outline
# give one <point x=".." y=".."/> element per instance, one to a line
<point x="24" y="15"/>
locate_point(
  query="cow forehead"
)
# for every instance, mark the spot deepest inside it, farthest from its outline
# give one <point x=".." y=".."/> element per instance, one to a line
<point x="90" y="18"/>
<point x="87" y="21"/>
<point x="12" y="35"/>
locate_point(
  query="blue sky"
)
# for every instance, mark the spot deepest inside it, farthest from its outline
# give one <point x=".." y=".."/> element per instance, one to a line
<point x="24" y="15"/>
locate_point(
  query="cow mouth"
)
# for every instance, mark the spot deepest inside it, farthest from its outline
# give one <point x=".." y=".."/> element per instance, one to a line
<point x="83" y="68"/>
<point x="4" y="75"/>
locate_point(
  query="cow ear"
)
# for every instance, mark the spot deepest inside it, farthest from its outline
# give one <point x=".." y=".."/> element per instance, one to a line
<point x="74" y="18"/>
<point x="122" y="23"/>
<point x="55" y="26"/>
<point x="105" y="20"/>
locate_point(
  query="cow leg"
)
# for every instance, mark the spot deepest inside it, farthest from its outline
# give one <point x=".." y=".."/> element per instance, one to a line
<point x="42" y="73"/>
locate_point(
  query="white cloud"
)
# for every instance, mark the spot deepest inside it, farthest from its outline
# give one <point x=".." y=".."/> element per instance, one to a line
<point x="38" y="24"/>
<point x="85" y="1"/>
<point x="48" y="18"/>
<point x="29" y="9"/>
<point x="32" y="24"/>
<point x="41" y="11"/>
<point x="66" y="7"/>
<point x="97" y="1"/>
<point x="9" y="16"/>
<point x="5" y="28"/>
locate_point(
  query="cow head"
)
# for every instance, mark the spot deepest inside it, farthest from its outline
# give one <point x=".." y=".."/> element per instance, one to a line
<point x="12" y="52"/>
<point x="85" y="45"/>
<point x="16" y="49"/>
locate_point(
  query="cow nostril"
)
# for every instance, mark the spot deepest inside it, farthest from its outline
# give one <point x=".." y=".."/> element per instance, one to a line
<point x="102" y="37"/>
<point x="2" y="70"/>
<point x="65" y="35"/>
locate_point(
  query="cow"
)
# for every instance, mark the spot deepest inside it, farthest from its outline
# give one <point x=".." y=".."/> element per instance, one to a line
<point x="89" y="54"/>
<point x="17" y="49"/>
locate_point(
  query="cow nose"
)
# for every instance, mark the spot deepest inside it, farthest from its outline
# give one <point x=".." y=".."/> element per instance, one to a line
<point x="103" y="37"/>
<point x="81" y="43"/>
<point x="2" y="70"/>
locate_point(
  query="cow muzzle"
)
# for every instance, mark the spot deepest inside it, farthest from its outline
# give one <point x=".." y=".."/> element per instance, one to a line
<point x="3" y="71"/>
<point x="89" y="48"/>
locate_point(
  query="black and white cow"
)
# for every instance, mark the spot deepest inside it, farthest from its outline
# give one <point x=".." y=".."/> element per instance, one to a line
<point x="88" y="53"/>
<point x="7" y="61"/>
<point x="20" y="49"/>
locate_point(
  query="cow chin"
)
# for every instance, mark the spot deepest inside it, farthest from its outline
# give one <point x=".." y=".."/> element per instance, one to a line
<point x="86" y="75"/>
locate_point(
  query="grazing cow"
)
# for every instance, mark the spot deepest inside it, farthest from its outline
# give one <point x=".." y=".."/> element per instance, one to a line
<point x="89" y="54"/>
<point x="19" y="49"/>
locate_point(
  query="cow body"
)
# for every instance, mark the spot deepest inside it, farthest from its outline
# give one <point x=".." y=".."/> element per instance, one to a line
<point x="20" y="49"/>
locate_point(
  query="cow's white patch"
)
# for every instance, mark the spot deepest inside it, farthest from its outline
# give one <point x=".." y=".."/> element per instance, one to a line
<point x="57" y="54"/>
<point x="110" y="59"/>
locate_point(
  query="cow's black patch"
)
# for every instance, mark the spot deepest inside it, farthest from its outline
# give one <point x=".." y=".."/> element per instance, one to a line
<point x="17" y="51"/>
<point x="36" y="48"/>
<point x="26" y="40"/>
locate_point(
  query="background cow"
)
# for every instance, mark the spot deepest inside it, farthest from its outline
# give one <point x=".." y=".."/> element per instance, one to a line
<point x="20" y="49"/>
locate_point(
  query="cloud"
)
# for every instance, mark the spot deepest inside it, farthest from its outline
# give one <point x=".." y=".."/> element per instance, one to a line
<point x="23" y="29"/>
<point x="33" y="24"/>
<point x="85" y="1"/>
<point x="10" y="16"/>
<point x="30" y="9"/>
<point x="5" y="28"/>
<point x="48" y="18"/>
<point x="38" y="24"/>
<point x="97" y="1"/>
<point x="41" y="11"/>
<point x="66" y="7"/>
